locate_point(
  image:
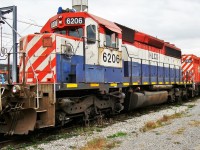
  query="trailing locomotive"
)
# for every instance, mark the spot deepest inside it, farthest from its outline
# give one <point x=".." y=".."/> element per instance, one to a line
<point x="81" y="65"/>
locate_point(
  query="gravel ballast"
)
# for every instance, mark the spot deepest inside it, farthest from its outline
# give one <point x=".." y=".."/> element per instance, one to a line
<point x="182" y="133"/>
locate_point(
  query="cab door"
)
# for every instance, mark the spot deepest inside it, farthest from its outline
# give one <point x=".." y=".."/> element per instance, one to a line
<point x="94" y="73"/>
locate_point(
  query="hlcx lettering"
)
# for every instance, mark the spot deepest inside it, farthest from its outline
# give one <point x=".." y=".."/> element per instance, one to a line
<point x="153" y="56"/>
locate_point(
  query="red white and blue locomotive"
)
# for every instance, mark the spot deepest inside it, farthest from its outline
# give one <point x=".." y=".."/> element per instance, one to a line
<point x="81" y="65"/>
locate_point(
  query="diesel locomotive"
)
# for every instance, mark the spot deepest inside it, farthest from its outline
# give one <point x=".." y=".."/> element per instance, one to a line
<point x="81" y="65"/>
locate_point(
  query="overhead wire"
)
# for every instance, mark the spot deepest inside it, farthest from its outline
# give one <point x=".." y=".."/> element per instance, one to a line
<point x="7" y="33"/>
<point x="30" y="24"/>
<point x="34" y="24"/>
<point x="10" y="26"/>
<point x="6" y="45"/>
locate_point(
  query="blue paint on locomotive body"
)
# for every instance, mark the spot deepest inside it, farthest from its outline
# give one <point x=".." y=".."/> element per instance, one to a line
<point x="151" y="73"/>
<point x="85" y="74"/>
<point x="73" y="71"/>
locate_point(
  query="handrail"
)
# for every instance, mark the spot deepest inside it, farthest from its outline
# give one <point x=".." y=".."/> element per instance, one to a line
<point x="149" y="62"/>
<point x="54" y="80"/>
<point x="37" y="104"/>
<point x="131" y="63"/>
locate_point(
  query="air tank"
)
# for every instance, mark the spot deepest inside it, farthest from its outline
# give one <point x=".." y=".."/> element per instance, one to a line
<point x="80" y="5"/>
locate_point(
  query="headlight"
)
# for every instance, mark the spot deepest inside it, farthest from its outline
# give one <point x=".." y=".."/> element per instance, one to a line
<point x="16" y="89"/>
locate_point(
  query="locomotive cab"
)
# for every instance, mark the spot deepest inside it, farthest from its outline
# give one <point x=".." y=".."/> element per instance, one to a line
<point x="95" y="43"/>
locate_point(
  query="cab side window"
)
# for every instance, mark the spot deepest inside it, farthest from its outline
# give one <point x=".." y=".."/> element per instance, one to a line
<point x="111" y="39"/>
<point x="91" y="34"/>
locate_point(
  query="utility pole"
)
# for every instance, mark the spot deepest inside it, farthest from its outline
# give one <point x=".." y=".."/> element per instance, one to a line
<point x="7" y="10"/>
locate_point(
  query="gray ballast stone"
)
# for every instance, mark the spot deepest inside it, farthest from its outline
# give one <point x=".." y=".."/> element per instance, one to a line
<point x="180" y="134"/>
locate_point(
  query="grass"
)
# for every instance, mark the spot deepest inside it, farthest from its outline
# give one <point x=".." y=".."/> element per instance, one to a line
<point x="118" y="134"/>
<point x="9" y="147"/>
<point x="179" y="131"/>
<point x="161" y="122"/>
<point x="191" y="105"/>
<point x="35" y="140"/>
<point x="100" y="144"/>
<point x="177" y="142"/>
<point x="87" y="130"/>
<point x="99" y="130"/>
<point x="103" y="143"/>
<point x="158" y="133"/>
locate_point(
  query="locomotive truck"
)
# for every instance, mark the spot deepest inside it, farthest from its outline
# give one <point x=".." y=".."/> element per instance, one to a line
<point x="81" y="65"/>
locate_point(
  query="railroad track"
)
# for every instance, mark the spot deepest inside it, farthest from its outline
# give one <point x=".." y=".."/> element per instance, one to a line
<point x="5" y="143"/>
<point x="41" y="135"/>
<point x="20" y="142"/>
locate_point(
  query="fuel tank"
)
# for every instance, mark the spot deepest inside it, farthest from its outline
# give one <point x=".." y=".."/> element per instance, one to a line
<point x="142" y="99"/>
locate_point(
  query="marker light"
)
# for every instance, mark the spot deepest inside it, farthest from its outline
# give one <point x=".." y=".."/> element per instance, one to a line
<point x="16" y="89"/>
<point x="60" y="17"/>
<point x="60" y="22"/>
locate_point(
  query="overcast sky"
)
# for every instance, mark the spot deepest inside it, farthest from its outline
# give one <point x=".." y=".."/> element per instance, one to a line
<point x="175" y="21"/>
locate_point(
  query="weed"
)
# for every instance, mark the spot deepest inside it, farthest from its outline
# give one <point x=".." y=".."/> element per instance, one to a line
<point x="194" y="123"/>
<point x="100" y="143"/>
<point x="118" y="134"/>
<point x="157" y="133"/>
<point x="160" y="122"/>
<point x="86" y="130"/>
<point x="112" y="144"/>
<point x="9" y="147"/>
<point x="150" y="125"/>
<point x="72" y="147"/>
<point x="177" y="142"/>
<point x="191" y="105"/>
<point x="176" y="115"/>
<point x="98" y="129"/>
<point x="179" y="131"/>
<point x="188" y="115"/>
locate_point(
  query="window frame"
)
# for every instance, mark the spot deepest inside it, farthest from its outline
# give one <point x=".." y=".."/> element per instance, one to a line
<point x="116" y="39"/>
<point x="94" y="36"/>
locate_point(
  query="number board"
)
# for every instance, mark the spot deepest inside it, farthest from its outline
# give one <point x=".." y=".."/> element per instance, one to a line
<point x="54" y="24"/>
<point x="75" y="20"/>
<point x="110" y="58"/>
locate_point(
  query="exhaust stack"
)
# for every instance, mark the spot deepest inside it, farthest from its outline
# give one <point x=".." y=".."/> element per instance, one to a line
<point x="80" y="5"/>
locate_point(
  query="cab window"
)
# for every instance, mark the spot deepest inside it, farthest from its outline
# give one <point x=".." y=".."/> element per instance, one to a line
<point x="111" y="39"/>
<point x="91" y="34"/>
<point x="63" y="32"/>
<point x="76" y="32"/>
